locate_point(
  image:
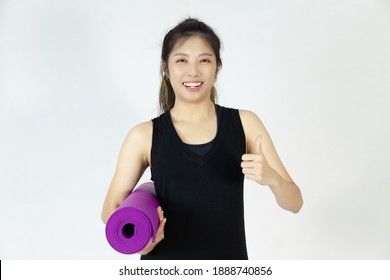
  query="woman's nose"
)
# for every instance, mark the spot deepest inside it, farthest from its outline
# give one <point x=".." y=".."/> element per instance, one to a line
<point x="193" y="70"/>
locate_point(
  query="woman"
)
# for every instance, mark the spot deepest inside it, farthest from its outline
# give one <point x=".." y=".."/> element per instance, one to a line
<point x="199" y="153"/>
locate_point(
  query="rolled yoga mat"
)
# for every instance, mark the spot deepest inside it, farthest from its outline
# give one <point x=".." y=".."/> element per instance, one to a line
<point x="130" y="227"/>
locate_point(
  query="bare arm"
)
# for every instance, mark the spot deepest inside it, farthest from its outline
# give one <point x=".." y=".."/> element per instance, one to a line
<point x="263" y="165"/>
<point x="133" y="160"/>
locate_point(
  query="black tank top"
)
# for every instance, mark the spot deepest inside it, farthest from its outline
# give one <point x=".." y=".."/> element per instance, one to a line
<point x="202" y="196"/>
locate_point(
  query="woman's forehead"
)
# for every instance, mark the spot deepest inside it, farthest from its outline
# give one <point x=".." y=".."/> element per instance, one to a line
<point x="192" y="44"/>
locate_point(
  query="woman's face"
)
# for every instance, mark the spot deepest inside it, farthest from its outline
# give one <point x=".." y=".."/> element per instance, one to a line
<point x="192" y="70"/>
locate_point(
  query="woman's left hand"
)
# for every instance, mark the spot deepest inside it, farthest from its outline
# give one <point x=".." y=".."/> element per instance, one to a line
<point x="256" y="167"/>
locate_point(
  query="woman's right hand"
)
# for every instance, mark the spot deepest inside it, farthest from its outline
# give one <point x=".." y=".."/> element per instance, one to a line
<point x="159" y="234"/>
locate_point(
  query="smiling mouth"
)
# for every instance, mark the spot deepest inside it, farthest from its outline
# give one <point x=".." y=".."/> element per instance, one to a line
<point x="192" y="84"/>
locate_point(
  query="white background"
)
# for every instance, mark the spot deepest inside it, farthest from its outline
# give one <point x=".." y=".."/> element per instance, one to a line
<point x="76" y="75"/>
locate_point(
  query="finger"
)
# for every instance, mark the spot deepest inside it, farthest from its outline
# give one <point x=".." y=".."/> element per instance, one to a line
<point x="251" y="157"/>
<point x="160" y="213"/>
<point x="258" y="150"/>
<point x="251" y="164"/>
<point x="160" y="231"/>
<point x="161" y="226"/>
<point x="249" y="171"/>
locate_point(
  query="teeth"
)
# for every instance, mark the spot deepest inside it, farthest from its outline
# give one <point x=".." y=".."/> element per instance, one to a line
<point x="192" y="84"/>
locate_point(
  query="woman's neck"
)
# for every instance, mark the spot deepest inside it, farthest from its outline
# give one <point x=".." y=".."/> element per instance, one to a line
<point x="193" y="112"/>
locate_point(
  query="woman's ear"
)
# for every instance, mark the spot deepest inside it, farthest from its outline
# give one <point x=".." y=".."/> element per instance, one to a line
<point x="164" y="69"/>
<point x="217" y="71"/>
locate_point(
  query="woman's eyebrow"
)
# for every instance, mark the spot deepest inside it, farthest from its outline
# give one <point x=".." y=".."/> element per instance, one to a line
<point x="202" y="54"/>
<point x="181" y="54"/>
<point x="206" y="54"/>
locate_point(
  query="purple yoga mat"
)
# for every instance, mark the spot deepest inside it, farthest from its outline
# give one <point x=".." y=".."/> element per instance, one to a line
<point x="130" y="227"/>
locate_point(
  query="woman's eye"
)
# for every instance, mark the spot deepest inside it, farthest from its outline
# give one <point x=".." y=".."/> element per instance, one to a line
<point x="205" y="61"/>
<point x="181" y="60"/>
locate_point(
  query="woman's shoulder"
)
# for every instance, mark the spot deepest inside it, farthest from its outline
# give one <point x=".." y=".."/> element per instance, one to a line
<point x="141" y="131"/>
<point x="251" y="123"/>
<point x="247" y="114"/>
<point x="249" y="118"/>
<point x="139" y="141"/>
<point x="244" y="114"/>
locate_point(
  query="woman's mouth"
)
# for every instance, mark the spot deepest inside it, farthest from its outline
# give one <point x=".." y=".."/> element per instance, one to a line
<point x="193" y="85"/>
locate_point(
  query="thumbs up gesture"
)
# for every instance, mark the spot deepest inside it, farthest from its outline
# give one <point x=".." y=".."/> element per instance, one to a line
<point x="256" y="167"/>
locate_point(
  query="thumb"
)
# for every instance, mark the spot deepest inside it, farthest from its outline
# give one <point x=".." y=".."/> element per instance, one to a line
<point x="258" y="150"/>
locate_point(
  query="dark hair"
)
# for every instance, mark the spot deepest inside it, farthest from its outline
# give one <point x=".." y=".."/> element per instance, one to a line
<point x="185" y="29"/>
